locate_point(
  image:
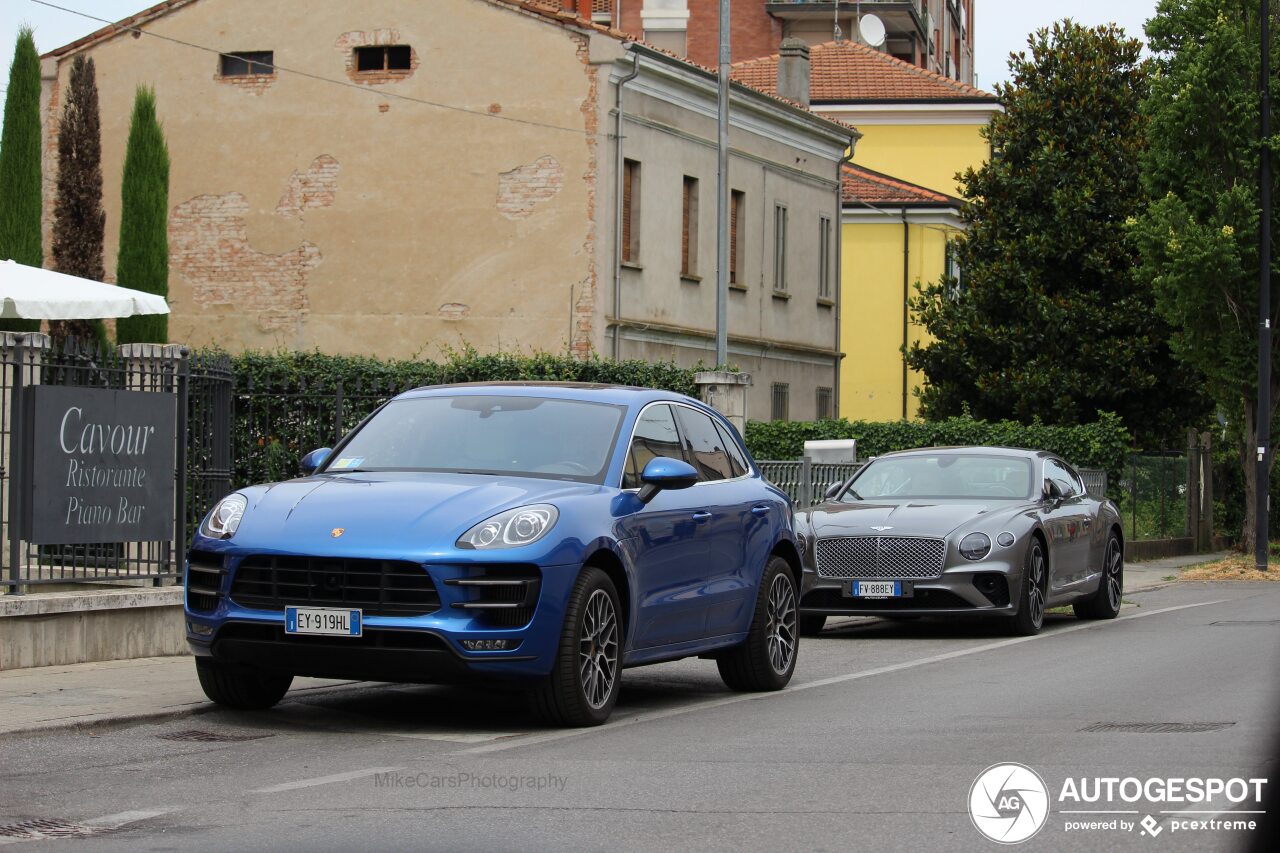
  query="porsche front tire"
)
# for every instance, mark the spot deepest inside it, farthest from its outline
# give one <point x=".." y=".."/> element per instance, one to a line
<point x="242" y="687"/>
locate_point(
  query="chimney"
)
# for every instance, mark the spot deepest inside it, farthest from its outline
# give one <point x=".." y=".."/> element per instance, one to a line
<point x="793" y="71"/>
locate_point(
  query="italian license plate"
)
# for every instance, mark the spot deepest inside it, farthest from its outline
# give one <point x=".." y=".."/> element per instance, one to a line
<point x="876" y="589"/>
<point x="323" y="620"/>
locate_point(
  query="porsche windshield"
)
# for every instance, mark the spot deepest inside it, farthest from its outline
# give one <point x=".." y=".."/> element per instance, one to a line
<point x="942" y="476"/>
<point x="486" y="434"/>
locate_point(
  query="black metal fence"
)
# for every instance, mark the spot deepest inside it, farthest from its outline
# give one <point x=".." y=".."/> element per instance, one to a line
<point x="1158" y="493"/>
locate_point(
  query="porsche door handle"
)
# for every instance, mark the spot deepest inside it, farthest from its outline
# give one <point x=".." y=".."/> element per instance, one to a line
<point x="701" y="516"/>
<point x="760" y="510"/>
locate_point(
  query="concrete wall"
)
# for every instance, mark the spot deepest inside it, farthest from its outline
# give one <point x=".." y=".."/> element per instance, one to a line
<point x="928" y="155"/>
<point x="49" y="629"/>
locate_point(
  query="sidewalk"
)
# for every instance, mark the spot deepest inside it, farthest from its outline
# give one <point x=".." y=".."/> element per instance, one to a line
<point x="89" y="694"/>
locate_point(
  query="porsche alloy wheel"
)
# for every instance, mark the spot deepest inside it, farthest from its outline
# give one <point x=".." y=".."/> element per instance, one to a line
<point x="582" y="687"/>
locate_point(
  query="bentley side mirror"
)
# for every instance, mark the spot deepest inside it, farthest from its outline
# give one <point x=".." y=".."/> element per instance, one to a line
<point x="1051" y="491"/>
<point x="314" y="460"/>
<point x="663" y="472"/>
<point x="833" y="490"/>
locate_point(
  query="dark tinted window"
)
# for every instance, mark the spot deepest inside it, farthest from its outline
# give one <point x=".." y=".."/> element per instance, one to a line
<point x="247" y="63"/>
<point x="736" y="458"/>
<point x="704" y="448"/>
<point x="655" y="436"/>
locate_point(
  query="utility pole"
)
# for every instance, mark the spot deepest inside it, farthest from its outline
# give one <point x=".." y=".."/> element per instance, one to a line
<point x="1262" y="491"/>
<point x="722" y="197"/>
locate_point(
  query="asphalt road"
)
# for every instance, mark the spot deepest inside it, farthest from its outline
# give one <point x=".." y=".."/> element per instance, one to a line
<point x="874" y="747"/>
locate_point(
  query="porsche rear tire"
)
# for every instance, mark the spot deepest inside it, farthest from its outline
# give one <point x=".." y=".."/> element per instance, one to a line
<point x="1035" y="584"/>
<point x="1105" y="603"/>
<point x="767" y="659"/>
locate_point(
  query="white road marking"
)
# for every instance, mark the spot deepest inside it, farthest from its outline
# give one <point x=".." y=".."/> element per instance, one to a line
<point x="124" y="818"/>
<point x="821" y="682"/>
<point x="325" y="780"/>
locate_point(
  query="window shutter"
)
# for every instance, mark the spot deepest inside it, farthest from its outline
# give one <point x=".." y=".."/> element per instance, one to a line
<point x="627" y="171"/>
<point x="736" y="202"/>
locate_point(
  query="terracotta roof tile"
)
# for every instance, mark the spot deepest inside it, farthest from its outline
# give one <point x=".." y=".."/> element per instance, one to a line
<point x="847" y="71"/>
<point x="860" y="184"/>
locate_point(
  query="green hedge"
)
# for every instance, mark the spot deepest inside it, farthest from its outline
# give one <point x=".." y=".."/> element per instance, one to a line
<point x="287" y="403"/>
<point x="1102" y="444"/>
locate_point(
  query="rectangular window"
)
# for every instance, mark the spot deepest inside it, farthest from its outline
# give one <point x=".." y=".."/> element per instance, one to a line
<point x="630" y="211"/>
<point x="247" y="63"/>
<point x="689" y="228"/>
<point x="824" y="253"/>
<point x="952" y="274"/>
<point x="737" y="210"/>
<point x="781" y="401"/>
<point x="824" y="404"/>
<point x="780" y="248"/>
<point x="384" y="58"/>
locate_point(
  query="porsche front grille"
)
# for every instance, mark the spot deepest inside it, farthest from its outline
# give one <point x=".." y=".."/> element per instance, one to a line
<point x="379" y="587"/>
<point x="880" y="557"/>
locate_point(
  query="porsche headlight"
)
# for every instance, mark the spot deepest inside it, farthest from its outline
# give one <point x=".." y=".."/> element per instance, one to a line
<point x="223" y="522"/>
<point x="975" y="546"/>
<point x="511" y="529"/>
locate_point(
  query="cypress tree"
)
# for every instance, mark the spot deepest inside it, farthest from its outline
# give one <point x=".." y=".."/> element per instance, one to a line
<point x="78" y="219"/>
<point x="143" y="260"/>
<point x="20" y="194"/>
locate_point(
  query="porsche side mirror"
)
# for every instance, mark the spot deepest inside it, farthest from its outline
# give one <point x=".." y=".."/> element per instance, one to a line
<point x="663" y="472"/>
<point x="314" y="460"/>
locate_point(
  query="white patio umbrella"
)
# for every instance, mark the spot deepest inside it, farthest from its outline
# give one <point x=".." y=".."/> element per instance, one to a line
<point x="32" y="293"/>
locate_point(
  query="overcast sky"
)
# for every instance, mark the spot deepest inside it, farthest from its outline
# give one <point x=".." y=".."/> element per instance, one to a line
<point x="1001" y="26"/>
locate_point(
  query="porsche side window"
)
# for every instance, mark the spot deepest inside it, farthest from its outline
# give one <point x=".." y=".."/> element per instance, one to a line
<point x="1055" y="471"/>
<point x="736" y="460"/>
<point x="703" y="445"/>
<point x="655" y="436"/>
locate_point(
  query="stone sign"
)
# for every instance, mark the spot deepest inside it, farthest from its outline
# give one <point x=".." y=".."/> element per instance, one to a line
<point x="101" y="465"/>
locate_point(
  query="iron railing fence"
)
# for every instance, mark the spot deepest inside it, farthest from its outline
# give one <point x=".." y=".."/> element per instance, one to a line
<point x="1154" y="497"/>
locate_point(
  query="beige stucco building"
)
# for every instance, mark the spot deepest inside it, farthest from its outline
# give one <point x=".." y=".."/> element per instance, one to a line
<point x="393" y="178"/>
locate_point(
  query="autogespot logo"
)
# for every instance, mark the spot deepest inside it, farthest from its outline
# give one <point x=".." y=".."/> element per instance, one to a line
<point x="1009" y="803"/>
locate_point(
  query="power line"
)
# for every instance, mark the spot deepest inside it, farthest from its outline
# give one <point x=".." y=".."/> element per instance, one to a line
<point x="344" y="83"/>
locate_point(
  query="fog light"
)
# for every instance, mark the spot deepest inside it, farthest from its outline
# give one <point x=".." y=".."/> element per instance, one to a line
<point x="485" y="645"/>
<point x="201" y="630"/>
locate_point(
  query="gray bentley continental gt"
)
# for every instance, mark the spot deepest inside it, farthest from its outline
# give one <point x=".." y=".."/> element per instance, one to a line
<point x="952" y="531"/>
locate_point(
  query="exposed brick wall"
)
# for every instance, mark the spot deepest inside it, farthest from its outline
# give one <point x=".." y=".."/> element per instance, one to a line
<point x="753" y="31"/>
<point x="49" y="165"/>
<point x="254" y="84"/>
<point x="314" y="188"/>
<point x="209" y="247"/>
<point x="582" y="338"/>
<point x="525" y="186"/>
<point x="348" y="42"/>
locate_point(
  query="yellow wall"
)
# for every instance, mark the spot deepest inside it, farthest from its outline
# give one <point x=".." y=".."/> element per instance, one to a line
<point x="925" y="154"/>
<point x="872" y="312"/>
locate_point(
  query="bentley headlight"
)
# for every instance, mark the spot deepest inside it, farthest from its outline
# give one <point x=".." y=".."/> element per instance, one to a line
<point x="511" y="529"/>
<point x="975" y="546"/>
<point x="223" y="522"/>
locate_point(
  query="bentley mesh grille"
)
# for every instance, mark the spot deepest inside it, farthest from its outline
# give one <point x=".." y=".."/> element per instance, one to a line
<point x="881" y="557"/>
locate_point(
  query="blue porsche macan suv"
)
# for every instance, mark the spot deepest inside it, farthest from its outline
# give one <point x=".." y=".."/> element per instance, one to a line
<point x="548" y="534"/>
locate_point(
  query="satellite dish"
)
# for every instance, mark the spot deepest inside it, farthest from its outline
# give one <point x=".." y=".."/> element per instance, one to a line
<point x="871" y="28"/>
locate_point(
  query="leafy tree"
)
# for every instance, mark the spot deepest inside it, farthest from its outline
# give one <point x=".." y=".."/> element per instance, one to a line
<point x="78" y="219"/>
<point x="143" y="261"/>
<point x="1052" y="322"/>
<point x="1198" y="239"/>
<point x="20" y="195"/>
